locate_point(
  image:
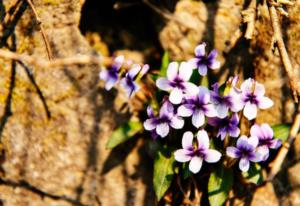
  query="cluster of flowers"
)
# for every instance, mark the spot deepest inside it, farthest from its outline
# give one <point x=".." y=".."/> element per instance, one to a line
<point x="128" y="77"/>
<point x="218" y="107"/>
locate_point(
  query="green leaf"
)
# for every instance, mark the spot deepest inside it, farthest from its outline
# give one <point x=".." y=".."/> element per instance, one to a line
<point x="281" y="131"/>
<point x="163" y="173"/>
<point x="254" y="174"/>
<point x="164" y="64"/>
<point x="219" y="185"/>
<point x="186" y="171"/>
<point x="124" y="133"/>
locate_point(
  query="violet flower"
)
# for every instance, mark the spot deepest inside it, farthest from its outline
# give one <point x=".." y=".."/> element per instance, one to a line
<point x="198" y="106"/>
<point x="196" y="153"/>
<point x="226" y="126"/>
<point x="229" y="100"/>
<point x="265" y="135"/>
<point x="177" y="82"/>
<point x="128" y="82"/>
<point x="167" y="118"/>
<point x="202" y="61"/>
<point x="111" y="76"/>
<point x="245" y="150"/>
<point x="253" y="98"/>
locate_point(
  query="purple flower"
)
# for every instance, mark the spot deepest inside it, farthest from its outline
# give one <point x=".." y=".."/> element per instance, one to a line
<point x="226" y="126"/>
<point x="111" y="76"/>
<point x="128" y="82"/>
<point x="202" y="62"/>
<point x="166" y="119"/>
<point x="198" y="106"/>
<point x="264" y="133"/>
<point x="176" y="82"/>
<point x="229" y="100"/>
<point x="196" y="153"/>
<point x="245" y="150"/>
<point x="253" y="98"/>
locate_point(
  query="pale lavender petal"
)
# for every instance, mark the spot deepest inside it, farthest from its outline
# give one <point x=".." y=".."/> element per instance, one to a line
<point x="246" y="86"/>
<point x="204" y="94"/>
<point x="234" y="132"/>
<point x="237" y="102"/>
<point x="244" y="164"/>
<point x="267" y="130"/>
<point x="242" y="141"/>
<point x="233" y="152"/>
<point x="264" y="152"/>
<point x="212" y="55"/>
<point x="212" y="156"/>
<point x="110" y="83"/>
<point x="149" y="124"/>
<point x="163" y="84"/>
<point x="162" y="129"/>
<point x="187" y="140"/>
<point x="265" y="103"/>
<point x="185" y="71"/>
<point x="200" y="50"/>
<point x="235" y="119"/>
<point x="210" y="111"/>
<point x="184" y="111"/>
<point x="198" y="118"/>
<point x="172" y="70"/>
<point x="177" y="122"/>
<point x="256" y="131"/>
<point x="256" y="157"/>
<point x="215" y="64"/>
<point x="259" y="90"/>
<point x="195" y="164"/>
<point x="176" y="96"/>
<point x="222" y="133"/>
<point x="203" y="139"/>
<point x="275" y="143"/>
<point x="193" y="63"/>
<point x="253" y="141"/>
<point x="103" y="75"/>
<point x="190" y="89"/>
<point x="202" y="68"/>
<point x="118" y="61"/>
<point x="134" y="71"/>
<point x="150" y="112"/>
<point x="181" y="156"/>
<point x="166" y="109"/>
<point x="222" y="110"/>
<point x="250" y="111"/>
<point x="144" y="70"/>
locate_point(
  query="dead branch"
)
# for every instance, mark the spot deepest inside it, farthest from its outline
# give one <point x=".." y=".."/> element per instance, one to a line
<point x="40" y="24"/>
<point x="249" y="16"/>
<point x="68" y="61"/>
<point x="292" y="76"/>
<point x="294" y="133"/>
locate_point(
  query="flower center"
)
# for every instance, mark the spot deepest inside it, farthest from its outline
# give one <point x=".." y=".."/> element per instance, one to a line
<point x="252" y="98"/>
<point x="202" y="61"/>
<point x="178" y="82"/>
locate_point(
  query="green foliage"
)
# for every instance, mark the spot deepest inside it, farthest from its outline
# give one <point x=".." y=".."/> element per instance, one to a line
<point x="254" y="174"/>
<point x="164" y="64"/>
<point x="163" y="173"/>
<point x="124" y="133"/>
<point x="281" y="131"/>
<point x="219" y="184"/>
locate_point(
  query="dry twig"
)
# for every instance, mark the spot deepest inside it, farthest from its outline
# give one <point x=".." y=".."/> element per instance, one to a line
<point x="292" y="76"/>
<point x="294" y="133"/>
<point x="249" y="16"/>
<point x="40" y="24"/>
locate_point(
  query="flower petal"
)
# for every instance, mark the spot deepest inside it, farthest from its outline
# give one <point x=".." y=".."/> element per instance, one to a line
<point x="103" y="75"/>
<point x="203" y="139"/>
<point x="162" y="129"/>
<point x="177" y="122"/>
<point x="265" y="103"/>
<point x="250" y="111"/>
<point x="198" y="118"/>
<point x="150" y="112"/>
<point x="259" y="90"/>
<point x="264" y="152"/>
<point x="187" y="140"/>
<point x="200" y="50"/>
<point x="210" y="111"/>
<point x="172" y="70"/>
<point x="222" y="110"/>
<point x="255" y="130"/>
<point x="184" y="111"/>
<point x="149" y="124"/>
<point x="234" y="132"/>
<point x="176" y="96"/>
<point x="202" y="69"/>
<point x="244" y="164"/>
<point x="233" y="152"/>
<point x="195" y="164"/>
<point x="193" y="63"/>
<point x="267" y="130"/>
<point x="110" y="83"/>
<point x="212" y="156"/>
<point x="203" y="95"/>
<point x="253" y="141"/>
<point x="275" y="143"/>
<point x="163" y="84"/>
<point x="242" y="142"/>
<point x="181" y="156"/>
<point x="246" y="86"/>
<point x="134" y="70"/>
<point x="215" y="64"/>
<point x="185" y="71"/>
<point x="190" y="89"/>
